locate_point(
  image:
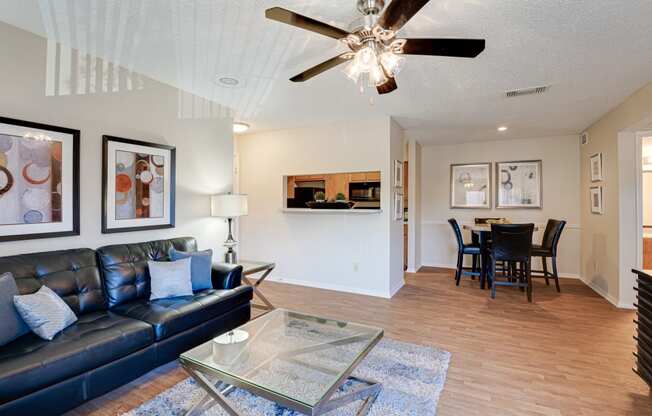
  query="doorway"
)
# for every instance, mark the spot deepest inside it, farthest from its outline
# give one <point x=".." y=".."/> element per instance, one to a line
<point x="646" y="199"/>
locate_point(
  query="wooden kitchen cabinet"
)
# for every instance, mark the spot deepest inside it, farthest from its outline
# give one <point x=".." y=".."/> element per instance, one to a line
<point x="337" y="183"/>
<point x="365" y="176"/>
<point x="334" y="183"/>
<point x="358" y="177"/>
<point x="373" y="176"/>
<point x="291" y="183"/>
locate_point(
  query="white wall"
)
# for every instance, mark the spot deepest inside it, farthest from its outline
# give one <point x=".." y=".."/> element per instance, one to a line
<point x="396" y="239"/>
<point x="204" y="147"/>
<point x="561" y="197"/>
<point x="610" y="241"/>
<point x="348" y="252"/>
<point x="414" y="206"/>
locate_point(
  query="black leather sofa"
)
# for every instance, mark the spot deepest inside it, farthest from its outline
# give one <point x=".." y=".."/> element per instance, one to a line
<point x="120" y="334"/>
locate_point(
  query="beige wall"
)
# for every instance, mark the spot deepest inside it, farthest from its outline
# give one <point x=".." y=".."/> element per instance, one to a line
<point x="601" y="233"/>
<point x="350" y="252"/>
<point x="204" y="146"/>
<point x="559" y="156"/>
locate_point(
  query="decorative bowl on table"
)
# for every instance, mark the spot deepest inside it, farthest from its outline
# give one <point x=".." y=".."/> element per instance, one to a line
<point x="229" y="346"/>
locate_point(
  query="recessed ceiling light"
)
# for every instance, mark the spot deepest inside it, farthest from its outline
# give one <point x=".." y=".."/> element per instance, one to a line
<point x="239" y="127"/>
<point x="502" y="128"/>
<point x="228" y="81"/>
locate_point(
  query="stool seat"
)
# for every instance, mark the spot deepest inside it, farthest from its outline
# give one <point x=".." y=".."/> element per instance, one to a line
<point x="471" y="249"/>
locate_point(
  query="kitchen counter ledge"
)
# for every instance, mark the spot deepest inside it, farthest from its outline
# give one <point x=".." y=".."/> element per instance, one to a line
<point x="331" y="211"/>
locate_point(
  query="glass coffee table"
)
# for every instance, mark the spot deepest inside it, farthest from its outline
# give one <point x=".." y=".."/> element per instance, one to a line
<point x="296" y="360"/>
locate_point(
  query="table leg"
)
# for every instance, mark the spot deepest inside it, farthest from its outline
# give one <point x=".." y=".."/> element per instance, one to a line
<point x="213" y="397"/>
<point x="485" y="259"/>
<point x="368" y="394"/>
<point x="267" y="304"/>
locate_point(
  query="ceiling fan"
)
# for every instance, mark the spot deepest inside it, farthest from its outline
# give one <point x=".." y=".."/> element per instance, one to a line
<point x="375" y="55"/>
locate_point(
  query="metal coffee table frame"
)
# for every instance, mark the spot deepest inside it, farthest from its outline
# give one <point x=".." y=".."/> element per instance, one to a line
<point x="254" y="267"/>
<point x="216" y="393"/>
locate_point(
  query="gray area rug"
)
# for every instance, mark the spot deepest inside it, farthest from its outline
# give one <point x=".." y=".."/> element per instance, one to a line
<point x="413" y="377"/>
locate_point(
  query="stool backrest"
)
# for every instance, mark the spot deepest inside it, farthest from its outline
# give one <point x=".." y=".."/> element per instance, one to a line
<point x="552" y="234"/>
<point x="458" y="233"/>
<point x="512" y="242"/>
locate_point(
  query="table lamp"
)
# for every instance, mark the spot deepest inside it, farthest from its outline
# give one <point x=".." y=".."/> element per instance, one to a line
<point x="229" y="206"/>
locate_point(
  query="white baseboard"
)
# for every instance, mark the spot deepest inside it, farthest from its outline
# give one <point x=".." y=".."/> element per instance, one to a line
<point x="394" y="290"/>
<point x="600" y="291"/>
<point x="453" y="266"/>
<point x="328" y="286"/>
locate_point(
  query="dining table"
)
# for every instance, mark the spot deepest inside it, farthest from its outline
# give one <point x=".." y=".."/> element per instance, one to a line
<point x="483" y="231"/>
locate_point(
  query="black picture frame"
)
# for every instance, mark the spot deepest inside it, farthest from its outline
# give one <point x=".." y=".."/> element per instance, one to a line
<point x="76" y="134"/>
<point x="105" y="149"/>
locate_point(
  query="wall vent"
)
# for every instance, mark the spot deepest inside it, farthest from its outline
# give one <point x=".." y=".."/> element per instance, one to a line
<point x="527" y="91"/>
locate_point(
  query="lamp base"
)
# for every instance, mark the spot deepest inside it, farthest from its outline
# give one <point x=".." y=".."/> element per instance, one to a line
<point x="231" y="256"/>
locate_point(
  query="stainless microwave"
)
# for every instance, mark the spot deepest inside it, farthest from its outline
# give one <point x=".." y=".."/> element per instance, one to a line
<point x="364" y="191"/>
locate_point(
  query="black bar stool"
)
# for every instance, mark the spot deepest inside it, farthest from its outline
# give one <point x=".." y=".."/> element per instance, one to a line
<point x="462" y="249"/>
<point x="548" y="249"/>
<point x="512" y="244"/>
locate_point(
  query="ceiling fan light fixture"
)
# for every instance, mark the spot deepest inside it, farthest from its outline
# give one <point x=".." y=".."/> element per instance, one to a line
<point x="391" y="62"/>
<point x="372" y="42"/>
<point x="366" y="59"/>
<point x="352" y="71"/>
<point x="377" y="75"/>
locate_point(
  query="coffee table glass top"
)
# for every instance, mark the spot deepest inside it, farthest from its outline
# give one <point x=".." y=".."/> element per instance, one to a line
<point x="300" y="357"/>
<point x="250" y="266"/>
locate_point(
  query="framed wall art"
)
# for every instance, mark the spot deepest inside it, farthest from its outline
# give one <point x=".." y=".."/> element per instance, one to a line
<point x="398" y="206"/>
<point x="596" y="167"/>
<point x="398" y="174"/>
<point x="519" y="184"/>
<point x="596" y="200"/>
<point x="138" y="185"/>
<point x="39" y="180"/>
<point x="470" y="185"/>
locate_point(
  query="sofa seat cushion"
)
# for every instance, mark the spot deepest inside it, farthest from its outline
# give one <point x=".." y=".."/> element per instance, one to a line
<point x="30" y="363"/>
<point x="174" y="315"/>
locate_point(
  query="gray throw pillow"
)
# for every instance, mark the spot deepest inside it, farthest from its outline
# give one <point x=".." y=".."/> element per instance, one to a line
<point x="45" y="312"/>
<point x="13" y="325"/>
<point x="170" y="279"/>
<point x="200" y="267"/>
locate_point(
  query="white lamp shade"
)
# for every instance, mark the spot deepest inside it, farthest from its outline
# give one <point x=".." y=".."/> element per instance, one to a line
<point x="229" y="205"/>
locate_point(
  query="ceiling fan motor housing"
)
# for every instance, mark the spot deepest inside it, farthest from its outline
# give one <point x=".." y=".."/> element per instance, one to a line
<point x="370" y="7"/>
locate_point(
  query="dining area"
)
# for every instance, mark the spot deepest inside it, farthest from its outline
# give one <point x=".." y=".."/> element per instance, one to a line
<point x="501" y="254"/>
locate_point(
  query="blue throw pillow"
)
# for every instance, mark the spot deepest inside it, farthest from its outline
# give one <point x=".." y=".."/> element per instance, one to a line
<point x="45" y="312"/>
<point x="13" y="325"/>
<point x="201" y="265"/>
<point x="169" y="279"/>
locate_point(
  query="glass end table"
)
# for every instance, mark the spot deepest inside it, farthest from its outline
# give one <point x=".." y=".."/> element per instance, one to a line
<point x="296" y="360"/>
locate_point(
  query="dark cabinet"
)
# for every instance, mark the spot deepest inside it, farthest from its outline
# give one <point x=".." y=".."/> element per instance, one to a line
<point x="643" y="323"/>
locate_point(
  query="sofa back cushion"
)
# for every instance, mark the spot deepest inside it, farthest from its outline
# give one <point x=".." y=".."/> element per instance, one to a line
<point x="124" y="266"/>
<point x="71" y="274"/>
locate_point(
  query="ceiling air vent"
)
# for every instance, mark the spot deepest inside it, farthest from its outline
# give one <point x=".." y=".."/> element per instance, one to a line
<point x="527" y="91"/>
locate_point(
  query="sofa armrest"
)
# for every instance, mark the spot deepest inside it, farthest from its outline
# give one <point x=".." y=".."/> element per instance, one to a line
<point x="226" y="276"/>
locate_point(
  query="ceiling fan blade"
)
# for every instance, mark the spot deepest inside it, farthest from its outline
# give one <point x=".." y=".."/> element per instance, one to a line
<point x="399" y="12"/>
<point x="387" y="87"/>
<point x="462" y="48"/>
<point x="289" y="17"/>
<point x="322" y="67"/>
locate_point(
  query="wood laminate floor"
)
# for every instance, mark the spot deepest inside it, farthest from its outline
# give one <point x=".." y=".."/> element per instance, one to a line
<point x="566" y="354"/>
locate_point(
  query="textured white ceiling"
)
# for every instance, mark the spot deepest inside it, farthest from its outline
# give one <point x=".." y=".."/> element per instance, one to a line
<point x="594" y="53"/>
